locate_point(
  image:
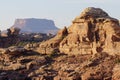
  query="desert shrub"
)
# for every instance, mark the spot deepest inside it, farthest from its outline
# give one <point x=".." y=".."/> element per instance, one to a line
<point x="53" y="54"/>
<point x="22" y="43"/>
<point x="117" y="61"/>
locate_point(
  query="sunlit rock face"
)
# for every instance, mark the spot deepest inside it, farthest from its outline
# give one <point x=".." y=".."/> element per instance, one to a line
<point x="92" y="32"/>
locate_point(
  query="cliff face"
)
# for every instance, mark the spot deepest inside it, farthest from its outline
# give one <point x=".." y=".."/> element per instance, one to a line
<point x="92" y="32"/>
<point x="35" y="25"/>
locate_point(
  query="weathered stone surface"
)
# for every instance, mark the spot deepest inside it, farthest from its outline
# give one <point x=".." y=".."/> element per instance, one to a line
<point x="63" y="67"/>
<point x="13" y="50"/>
<point x="92" y="32"/>
<point x="52" y="45"/>
<point x="116" y="72"/>
<point x="93" y="12"/>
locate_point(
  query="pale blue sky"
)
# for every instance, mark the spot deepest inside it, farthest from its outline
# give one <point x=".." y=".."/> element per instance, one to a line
<point x="61" y="11"/>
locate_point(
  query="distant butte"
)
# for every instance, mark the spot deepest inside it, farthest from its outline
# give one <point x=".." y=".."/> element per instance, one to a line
<point x="36" y="25"/>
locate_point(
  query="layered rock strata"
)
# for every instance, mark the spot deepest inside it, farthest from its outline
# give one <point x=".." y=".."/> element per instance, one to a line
<point x="92" y="32"/>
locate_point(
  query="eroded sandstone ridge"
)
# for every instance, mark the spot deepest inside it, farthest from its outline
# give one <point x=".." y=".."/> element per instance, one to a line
<point x="92" y="32"/>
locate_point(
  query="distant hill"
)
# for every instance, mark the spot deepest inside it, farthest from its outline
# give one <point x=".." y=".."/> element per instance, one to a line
<point x="36" y="25"/>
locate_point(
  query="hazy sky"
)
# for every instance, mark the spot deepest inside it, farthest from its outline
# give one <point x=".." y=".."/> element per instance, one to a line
<point x="61" y="11"/>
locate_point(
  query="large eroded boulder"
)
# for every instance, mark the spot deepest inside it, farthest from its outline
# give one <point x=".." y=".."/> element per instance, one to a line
<point x="92" y="32"/>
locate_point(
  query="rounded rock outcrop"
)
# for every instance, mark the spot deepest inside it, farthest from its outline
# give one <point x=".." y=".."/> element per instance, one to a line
<point x="93" y="12"/>
<point x="92" y="32"/>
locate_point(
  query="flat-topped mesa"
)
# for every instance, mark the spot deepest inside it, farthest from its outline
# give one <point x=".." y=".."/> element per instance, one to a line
<point x="36" y="25"/>
<point x="92" y="32"/>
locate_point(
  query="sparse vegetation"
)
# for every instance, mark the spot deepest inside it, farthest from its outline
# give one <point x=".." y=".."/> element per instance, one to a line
<point x="117" y="61"/>
<point x="23" y="43"/>
<point x="53" y="54"/>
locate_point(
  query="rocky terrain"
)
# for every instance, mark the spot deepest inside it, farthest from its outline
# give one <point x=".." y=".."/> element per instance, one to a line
<point x="13" y="37"/>
<point x="17" y="63"/>
<point x="9" y="38"/>
<point x="36" y="25"/>
<point x="86" y="50"/>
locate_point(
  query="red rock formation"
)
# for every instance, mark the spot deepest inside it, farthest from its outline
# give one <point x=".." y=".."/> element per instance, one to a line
<point x="52" y="45"/>
<point x="92" y="32"/>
